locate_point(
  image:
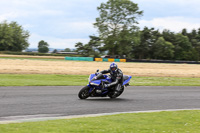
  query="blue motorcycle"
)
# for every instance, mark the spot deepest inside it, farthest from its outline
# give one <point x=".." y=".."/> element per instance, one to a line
<point x="95" y="88"/>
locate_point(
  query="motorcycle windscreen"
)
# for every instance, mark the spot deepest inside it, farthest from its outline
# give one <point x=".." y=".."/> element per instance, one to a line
<point x="91" y="76"/>
<point x="96" y="82"/>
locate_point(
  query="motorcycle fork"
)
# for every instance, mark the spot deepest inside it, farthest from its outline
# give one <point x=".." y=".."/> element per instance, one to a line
<point x="91" y="90"/>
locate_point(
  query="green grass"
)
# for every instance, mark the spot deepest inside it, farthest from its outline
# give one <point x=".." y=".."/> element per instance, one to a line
<point x="159" y="122"/>
<point x="165" y="81"/>
<point x="42" y="80"/>
<point x="81" y="80"/>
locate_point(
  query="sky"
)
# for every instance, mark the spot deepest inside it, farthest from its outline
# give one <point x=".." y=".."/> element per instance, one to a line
<point x="63" y="23"/>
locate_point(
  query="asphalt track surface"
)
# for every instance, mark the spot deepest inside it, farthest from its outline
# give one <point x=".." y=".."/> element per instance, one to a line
<point x="64" y="101"/>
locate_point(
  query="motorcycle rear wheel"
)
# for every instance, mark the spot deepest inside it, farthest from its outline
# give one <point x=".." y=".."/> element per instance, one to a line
<point x="84" y="92"/>
<point x="112" y="95"/>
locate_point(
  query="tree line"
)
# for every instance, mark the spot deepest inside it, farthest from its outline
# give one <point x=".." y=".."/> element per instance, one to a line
<point x="119" y="35"/>
<point x="150" y="44"/>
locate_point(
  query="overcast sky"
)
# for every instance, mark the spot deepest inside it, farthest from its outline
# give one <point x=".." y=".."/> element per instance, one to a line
<point x="62" y="23"/>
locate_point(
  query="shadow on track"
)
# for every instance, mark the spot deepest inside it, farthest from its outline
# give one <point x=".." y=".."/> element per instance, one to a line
<point x="108" y="100"/>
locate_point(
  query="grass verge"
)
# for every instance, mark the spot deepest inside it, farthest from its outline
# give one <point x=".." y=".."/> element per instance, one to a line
<point x="81" y="80"/>
<point x="159" y="122"/>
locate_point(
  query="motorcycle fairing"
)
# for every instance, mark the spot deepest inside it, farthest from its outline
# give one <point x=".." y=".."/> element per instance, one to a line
<point x="128" y="80"/>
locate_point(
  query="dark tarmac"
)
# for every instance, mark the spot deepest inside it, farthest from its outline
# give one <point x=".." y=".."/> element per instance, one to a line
<point x="64" y="101"/>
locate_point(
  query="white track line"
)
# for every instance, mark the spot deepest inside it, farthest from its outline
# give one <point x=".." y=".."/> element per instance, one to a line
<point x="44" y="117"/>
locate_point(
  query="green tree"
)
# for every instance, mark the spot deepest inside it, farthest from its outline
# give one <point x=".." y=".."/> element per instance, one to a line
<point x="82" y="49"/>
<point x="126" y="42"/>
<point x="168" y="36"/>
<point x="194" y="38"/>
<point x="117" y="17"/>
<point x="184" y="32"/>
<point x="55" y="51"/>
<point x="92" y="48"/>
<point x="95" y="45"/>
<point x="197" y="44"/>
<point x="13" y="37"/>
<point x="143" y="49"/>
<point x="5" y="36"/>
<point x="67" y="50"/>
<point x="43" y="47"/>
<point x="163" y="49"/>
<point x="185" y="44"/>
<point x="182" y="47"/>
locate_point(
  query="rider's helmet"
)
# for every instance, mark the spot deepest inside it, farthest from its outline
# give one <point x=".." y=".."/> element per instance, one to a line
<point x="113" y="67"/>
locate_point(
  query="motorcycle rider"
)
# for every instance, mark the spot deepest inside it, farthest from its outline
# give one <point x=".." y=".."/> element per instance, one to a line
<point x="116" y="76"/>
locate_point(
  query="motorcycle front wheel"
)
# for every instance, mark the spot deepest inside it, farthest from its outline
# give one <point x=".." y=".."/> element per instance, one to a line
<point x="84" y="92"/>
